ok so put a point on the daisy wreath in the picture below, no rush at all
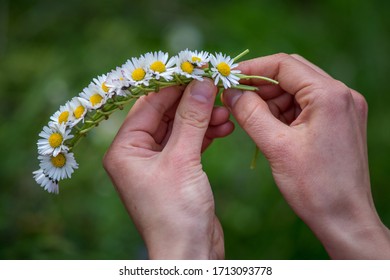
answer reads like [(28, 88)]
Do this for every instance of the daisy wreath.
[(112, 91)]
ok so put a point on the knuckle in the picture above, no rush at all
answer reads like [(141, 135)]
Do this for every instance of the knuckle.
[(250, 118), (194, 118), (361, 104), (297, 56), (282, 56), (111, 161), (108, 160), (340, 99), (337, 95)]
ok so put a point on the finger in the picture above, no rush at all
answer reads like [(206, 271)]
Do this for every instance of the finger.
[(359, 100), (254, 116), (214, 132), (294, 76), (220, 131), (219, 116), (220, 126), (284, 108), (313, 66), (146, 115), (163, 131), (192, 118)]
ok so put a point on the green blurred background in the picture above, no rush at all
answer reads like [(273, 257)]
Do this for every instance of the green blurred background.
[(50, 50)]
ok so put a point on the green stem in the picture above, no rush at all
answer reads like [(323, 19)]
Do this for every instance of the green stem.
[(124, 102), (247, 77), (241, 55), (245, 87), (177, 78), (106, 113), (254, 158)]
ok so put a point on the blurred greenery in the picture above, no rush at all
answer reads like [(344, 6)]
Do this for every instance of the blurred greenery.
[(49, 50)]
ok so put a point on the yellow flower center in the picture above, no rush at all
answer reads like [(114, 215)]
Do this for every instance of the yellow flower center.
[(58, 161), (104, 87), (187, 67), (63, 117), (55, 140), (158, 66), (138, 74), (95, 99), (224, 69), (78, 112), (196, 59)]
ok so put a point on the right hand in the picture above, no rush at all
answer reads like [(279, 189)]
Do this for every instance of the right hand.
[(312, 129)]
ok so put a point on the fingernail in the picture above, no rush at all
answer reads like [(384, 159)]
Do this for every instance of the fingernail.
[(202, 91), (231, 96)]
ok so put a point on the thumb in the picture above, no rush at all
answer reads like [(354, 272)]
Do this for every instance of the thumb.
[(192, 117), (254, 116)]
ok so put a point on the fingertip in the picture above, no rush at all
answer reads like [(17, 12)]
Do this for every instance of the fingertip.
[(219, 115), (202, 91), (214, 132), (230, 97), (220, 131)]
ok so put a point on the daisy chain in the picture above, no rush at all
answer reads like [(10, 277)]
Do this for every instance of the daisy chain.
[(110, 92)]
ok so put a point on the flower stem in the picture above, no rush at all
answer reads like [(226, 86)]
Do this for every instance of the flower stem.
[(254, 158), (245, 87), (248, 77), (241, 55)]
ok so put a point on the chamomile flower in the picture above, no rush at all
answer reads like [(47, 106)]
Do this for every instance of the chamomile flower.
[(78, 108), (53, 138), (101, 83), (222, 69), (96, 98), (159, 65), (63, 115), (200, 59), (136, 71), (46, 182), (117, 82), (58, 167), (186, 67)]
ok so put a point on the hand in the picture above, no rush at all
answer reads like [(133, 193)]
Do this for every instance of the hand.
[(155, 164), (312, 129)]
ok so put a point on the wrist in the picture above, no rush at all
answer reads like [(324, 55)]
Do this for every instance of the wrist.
[(358, 236), (186, 239), (178, 244)]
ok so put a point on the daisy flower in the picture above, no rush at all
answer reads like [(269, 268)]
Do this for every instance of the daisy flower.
[(221, 69), (200, 59), (45, 182), (136, 71), (78, 108), (53, 138), (159, 65), (58, 167), (63, 115), (117, 82), (186, 67), (101, 83), (96, 98)]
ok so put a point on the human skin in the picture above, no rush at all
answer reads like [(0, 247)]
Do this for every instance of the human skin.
[(310, 127), (155, 165), (312, 130)]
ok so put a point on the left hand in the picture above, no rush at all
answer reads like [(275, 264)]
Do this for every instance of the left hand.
[(155, 164)]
